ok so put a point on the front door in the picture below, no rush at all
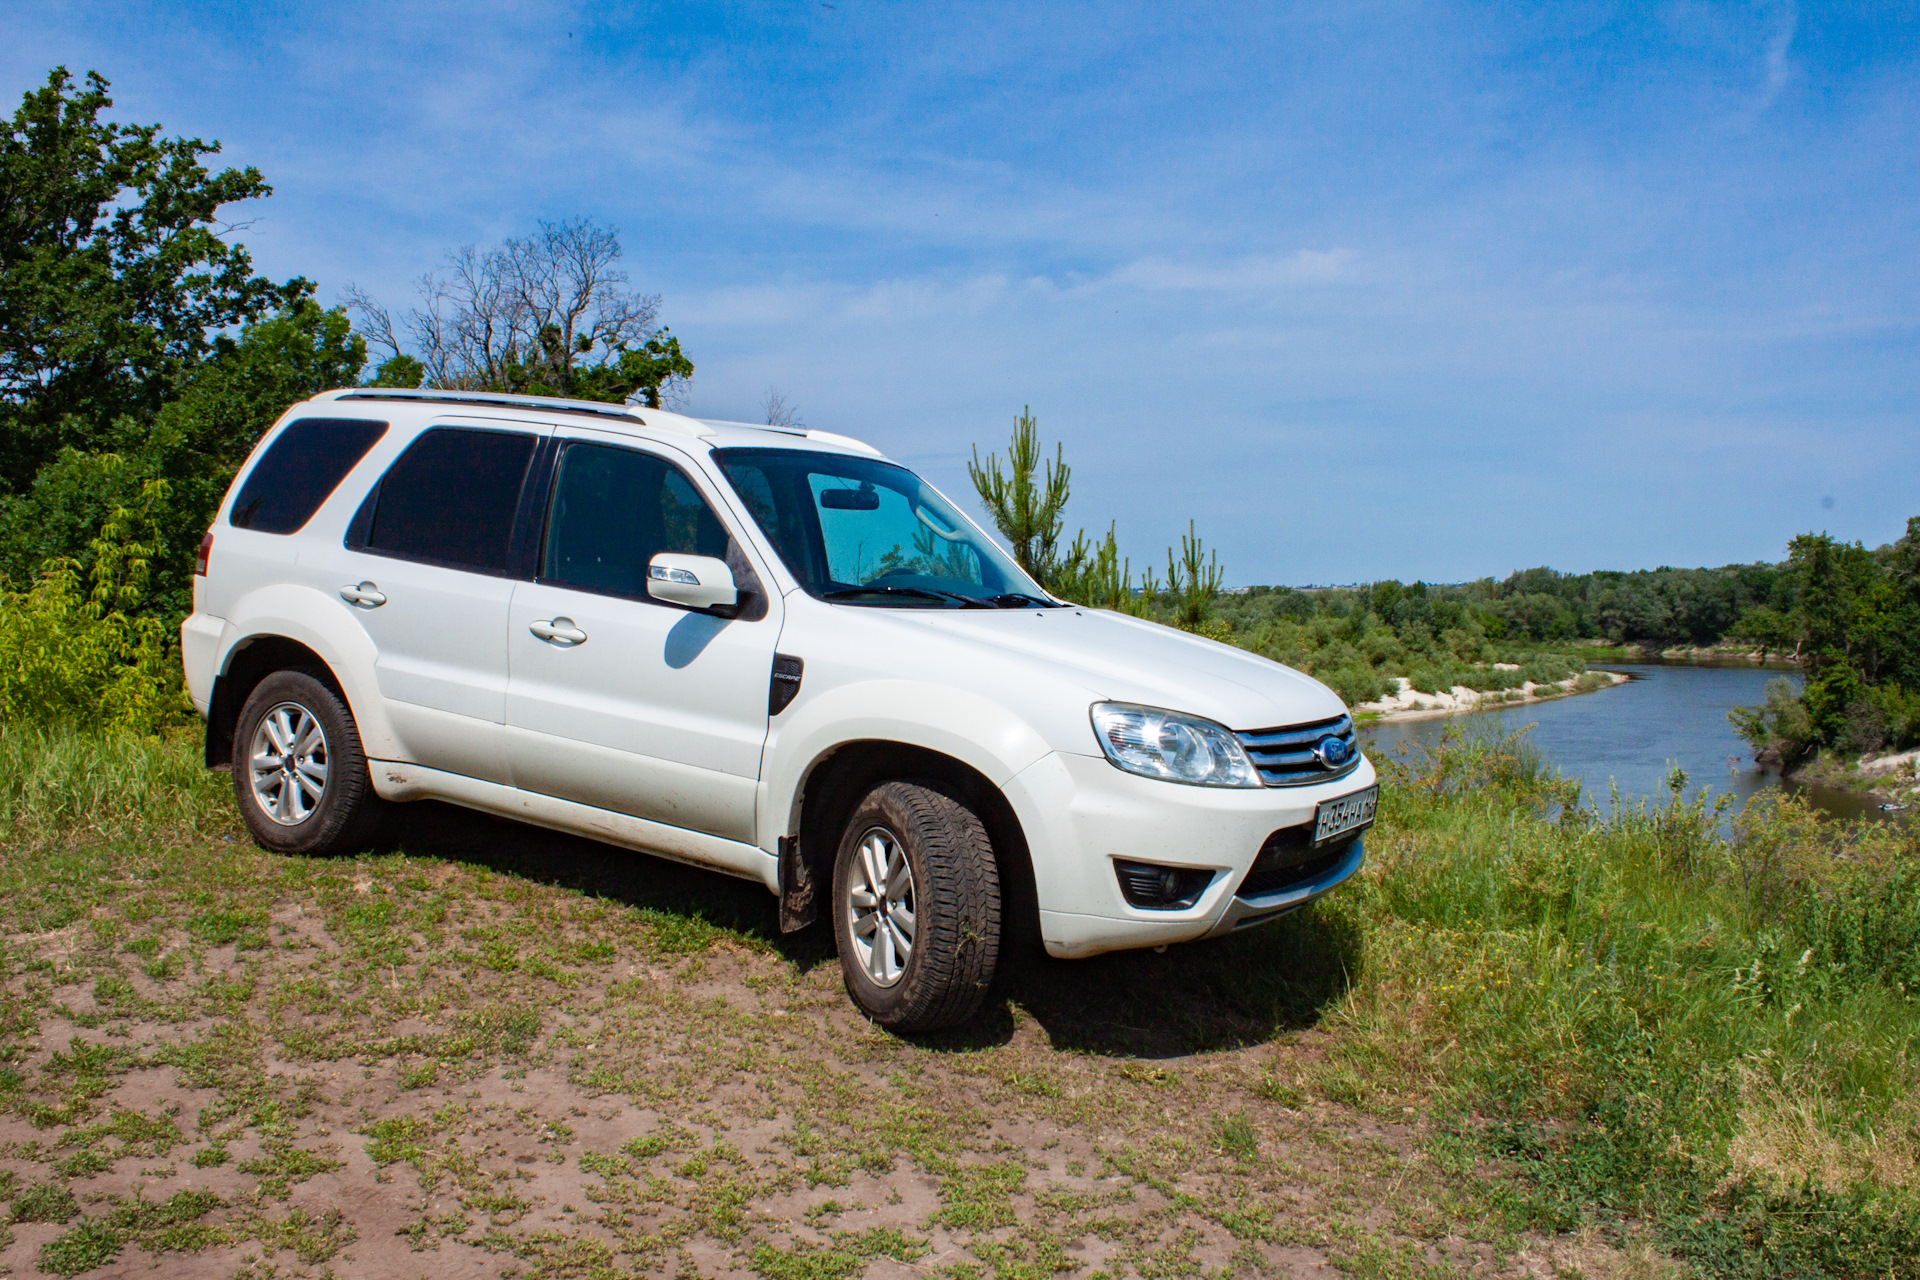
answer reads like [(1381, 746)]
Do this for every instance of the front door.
[(620, 701)]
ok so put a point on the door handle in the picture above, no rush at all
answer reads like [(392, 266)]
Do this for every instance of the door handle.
[(365, 594), (560, 631)]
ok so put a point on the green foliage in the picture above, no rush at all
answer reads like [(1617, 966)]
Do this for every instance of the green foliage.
[(1852, 618), (1026, 500), (626, 374), (1649, 1018), (193, 445), (1025, 507), (56, 783), (91, 1244), (68, 658), (1360, 641), (1193, 580), (114, 275), (400, 371), (45, 1202), (1098, 575), (805, 1262), (1781, 722)]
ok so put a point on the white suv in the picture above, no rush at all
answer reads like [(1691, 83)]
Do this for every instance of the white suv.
[(766, 651)]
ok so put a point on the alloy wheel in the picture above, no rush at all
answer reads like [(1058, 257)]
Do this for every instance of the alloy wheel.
[(288, 763), (880, 907)]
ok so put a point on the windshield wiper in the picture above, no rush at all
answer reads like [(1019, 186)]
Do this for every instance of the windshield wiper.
[(1015, 600), (924, 593)]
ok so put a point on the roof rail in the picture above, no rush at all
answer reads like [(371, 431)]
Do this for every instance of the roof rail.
[(502, 400)]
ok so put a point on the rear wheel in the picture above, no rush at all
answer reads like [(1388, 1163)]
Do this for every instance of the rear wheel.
[(916, 907), (299, 771)]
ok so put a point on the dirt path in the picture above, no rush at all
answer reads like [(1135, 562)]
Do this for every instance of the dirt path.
[(528, 1055)]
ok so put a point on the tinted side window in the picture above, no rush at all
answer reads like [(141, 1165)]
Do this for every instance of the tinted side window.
[(613, 511), (303, 465), (448, 500)]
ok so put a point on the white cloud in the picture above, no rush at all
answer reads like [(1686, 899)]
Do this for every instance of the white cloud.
[(1256, 274)]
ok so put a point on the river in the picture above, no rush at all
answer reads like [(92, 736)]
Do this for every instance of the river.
[(1631, 735)]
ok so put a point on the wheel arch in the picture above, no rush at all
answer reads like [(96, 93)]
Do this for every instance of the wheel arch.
[(836, 780), (288, 626), (251, 660)]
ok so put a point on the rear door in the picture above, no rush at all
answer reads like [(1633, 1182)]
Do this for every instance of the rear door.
[(427, 568), (655, 710)]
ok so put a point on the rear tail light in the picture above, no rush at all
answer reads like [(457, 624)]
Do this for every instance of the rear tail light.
[(201, 557)]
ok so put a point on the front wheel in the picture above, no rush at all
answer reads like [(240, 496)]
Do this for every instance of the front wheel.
[(299, 772), (916, 900)]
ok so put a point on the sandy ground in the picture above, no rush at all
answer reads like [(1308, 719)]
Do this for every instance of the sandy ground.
[(1409, 704)]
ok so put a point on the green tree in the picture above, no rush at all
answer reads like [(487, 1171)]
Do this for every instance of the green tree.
[(1025, 505), (196, 442), (1026, 498), (1194, 580), (1852, 619), (114, 271)]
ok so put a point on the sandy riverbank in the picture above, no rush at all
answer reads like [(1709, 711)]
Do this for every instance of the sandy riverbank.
[(1410, 704), (1893, 778)]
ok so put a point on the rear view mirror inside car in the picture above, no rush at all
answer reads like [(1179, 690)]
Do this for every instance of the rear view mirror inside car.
[(864, 498)]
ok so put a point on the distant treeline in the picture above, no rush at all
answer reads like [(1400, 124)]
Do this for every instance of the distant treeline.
[(1653, 607), (1485, 634)]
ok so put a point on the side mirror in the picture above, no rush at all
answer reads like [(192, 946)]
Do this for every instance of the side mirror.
[(698, 582)]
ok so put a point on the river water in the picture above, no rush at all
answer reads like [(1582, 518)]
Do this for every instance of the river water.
[(1631, 735)]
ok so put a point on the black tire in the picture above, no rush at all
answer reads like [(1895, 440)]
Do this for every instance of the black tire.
[(345, 817), (954, 903)]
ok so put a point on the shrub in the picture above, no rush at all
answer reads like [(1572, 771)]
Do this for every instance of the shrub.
[(1781, 723), (69, 657)]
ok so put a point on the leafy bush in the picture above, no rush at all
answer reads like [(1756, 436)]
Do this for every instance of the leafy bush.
[(1781, 722), (69, 657)]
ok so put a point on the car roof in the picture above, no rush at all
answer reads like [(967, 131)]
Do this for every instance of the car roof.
[(634, 420)]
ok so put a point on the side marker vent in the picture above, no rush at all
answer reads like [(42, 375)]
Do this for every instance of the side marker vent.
[(786, 683)]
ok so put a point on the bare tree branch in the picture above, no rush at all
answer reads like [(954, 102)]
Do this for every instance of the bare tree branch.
[(533, 314), (780, 412), (374, 321)]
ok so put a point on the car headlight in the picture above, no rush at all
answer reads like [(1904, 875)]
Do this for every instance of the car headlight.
[(1170, 746)]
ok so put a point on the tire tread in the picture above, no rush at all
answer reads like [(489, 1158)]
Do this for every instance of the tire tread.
[(958, 941)]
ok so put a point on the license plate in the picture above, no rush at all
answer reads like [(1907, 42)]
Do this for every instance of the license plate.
[(1337, 818)]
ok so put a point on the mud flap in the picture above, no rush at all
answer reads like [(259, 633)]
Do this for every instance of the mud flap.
[(797, 907)]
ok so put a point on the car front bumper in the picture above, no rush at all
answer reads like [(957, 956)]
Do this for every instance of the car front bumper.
[(1080, 814)]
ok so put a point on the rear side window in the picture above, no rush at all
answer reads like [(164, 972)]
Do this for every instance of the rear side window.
[(448, 500), (303, 465)]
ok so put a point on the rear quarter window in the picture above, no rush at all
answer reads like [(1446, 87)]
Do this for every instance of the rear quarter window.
[(304, 464)]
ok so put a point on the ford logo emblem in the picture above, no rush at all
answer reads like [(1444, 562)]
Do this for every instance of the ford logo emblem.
[(1332, 752)]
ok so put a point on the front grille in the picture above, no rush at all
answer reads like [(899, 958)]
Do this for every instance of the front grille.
[(1288, 859), (1288, 757)]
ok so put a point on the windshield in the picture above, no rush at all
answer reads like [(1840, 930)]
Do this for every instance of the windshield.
[(861, 531)]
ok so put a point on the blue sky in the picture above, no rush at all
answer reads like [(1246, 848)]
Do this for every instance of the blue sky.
[(1365, 290)]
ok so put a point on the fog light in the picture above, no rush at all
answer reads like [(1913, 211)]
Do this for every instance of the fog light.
[(1158, 888)]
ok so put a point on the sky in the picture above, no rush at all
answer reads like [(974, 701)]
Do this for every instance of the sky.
[(1414, 291)]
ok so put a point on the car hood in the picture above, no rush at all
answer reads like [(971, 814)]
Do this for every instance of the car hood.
[(1117, 658)]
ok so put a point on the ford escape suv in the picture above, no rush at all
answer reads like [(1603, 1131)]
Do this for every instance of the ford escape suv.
[(769, 652)]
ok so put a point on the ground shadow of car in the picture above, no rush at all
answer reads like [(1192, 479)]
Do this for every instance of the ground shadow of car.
[(1231, 992)]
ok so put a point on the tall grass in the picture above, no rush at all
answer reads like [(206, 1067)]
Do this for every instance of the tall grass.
[(62, 783), (1714, 1035)]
